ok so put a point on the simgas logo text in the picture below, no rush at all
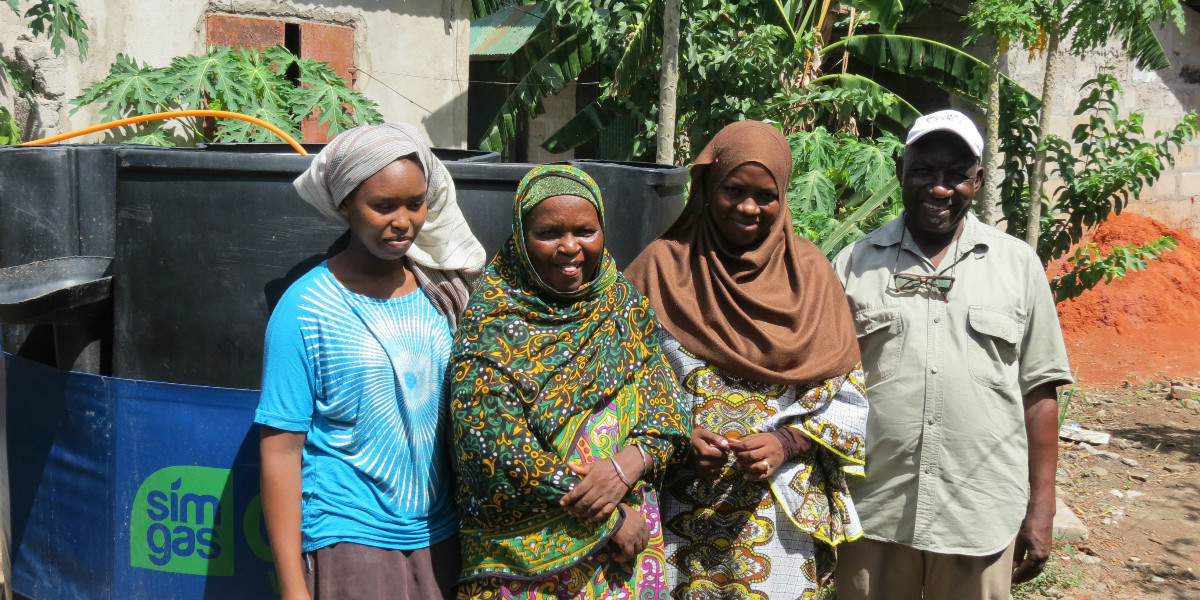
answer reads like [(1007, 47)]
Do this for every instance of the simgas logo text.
[(182, 522)]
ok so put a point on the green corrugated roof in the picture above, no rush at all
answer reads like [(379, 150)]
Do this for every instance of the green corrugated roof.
[(505, 31)]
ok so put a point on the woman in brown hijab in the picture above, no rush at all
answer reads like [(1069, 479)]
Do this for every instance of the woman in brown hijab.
[(763, 345)]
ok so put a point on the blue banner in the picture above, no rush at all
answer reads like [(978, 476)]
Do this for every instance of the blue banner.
[(133, 489)]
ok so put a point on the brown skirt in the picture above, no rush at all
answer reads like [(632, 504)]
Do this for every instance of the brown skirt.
[(349, 571)]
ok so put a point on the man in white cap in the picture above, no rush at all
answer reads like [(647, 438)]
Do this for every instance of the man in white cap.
[(963, 354)]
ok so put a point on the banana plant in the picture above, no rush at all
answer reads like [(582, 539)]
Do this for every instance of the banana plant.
[(627, 58)]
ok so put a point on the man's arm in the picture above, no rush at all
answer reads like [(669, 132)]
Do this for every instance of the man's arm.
[(1037, 530)]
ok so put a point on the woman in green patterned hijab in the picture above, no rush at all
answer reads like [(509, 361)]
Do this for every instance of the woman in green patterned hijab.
[(565, 412)]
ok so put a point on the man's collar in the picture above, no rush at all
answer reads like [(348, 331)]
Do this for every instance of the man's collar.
[(892, 232)]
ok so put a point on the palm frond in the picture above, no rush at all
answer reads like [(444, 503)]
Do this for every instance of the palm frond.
[(878, 199), (548, 76)]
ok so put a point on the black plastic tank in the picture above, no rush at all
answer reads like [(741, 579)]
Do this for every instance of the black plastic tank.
[(156, 271), (207, 242)]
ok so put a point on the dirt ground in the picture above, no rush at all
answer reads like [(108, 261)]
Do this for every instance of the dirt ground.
[(1138, 496)]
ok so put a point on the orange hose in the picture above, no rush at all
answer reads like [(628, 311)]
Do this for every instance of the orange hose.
[(223, 114)]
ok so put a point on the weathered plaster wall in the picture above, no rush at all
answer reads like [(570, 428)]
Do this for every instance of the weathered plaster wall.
[(1163, 96), (411, 56)]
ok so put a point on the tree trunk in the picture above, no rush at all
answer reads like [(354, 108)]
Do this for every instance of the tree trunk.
[(1037, 178), (990, 208), (668, 83)]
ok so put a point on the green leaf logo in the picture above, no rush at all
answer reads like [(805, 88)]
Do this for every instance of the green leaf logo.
[(182, 522)]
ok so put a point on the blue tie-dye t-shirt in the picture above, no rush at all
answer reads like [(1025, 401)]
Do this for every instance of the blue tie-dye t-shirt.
[(366, 380)]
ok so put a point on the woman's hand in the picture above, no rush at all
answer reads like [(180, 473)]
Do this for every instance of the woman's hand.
[(632, 537), (597, 496), (758, 455), (707, 459)]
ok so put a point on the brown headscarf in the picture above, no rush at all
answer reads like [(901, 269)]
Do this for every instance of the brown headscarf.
[(773, 312)]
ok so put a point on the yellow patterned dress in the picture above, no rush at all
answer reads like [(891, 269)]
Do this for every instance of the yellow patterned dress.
[(733, 538)]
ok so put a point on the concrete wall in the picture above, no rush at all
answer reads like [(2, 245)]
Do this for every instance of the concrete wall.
[(1163, 96), (559, 109), (411, 56)]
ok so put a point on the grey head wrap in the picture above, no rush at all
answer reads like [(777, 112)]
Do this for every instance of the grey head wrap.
[(445, 243)]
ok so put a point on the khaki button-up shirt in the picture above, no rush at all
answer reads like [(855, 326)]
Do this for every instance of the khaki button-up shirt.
[(947, 459)]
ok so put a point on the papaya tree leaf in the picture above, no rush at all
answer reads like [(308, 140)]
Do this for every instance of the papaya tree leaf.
[(868, 167), (58, 19), (324, 91), (154, 135), (20, 81), (812, 191), (129, 87), (195, 78)]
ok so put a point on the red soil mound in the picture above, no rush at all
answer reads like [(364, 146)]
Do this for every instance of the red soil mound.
[(1144, 326)]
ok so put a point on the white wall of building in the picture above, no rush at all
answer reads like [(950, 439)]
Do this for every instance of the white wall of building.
[(411, 55)]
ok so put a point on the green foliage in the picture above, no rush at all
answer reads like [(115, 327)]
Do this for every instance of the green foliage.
[(885, 12), (840, 184), (1018, 149), (20, 81), (594, 117), (10, 131), (129, 88), (1004, 20), (950, 68), (548, 75), (1057, 574), (1089, 268), (799, 16), (57, 19), (1096, 23), (737, 60), (1064, 400), (821, 104), (644, 46), (730, 60), (483, 8), (248, 81), (881, 207), (1109, 163)]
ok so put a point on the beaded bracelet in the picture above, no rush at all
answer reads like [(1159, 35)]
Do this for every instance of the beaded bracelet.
[(620, 473)]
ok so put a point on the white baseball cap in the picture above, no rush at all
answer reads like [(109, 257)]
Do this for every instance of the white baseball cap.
[(948, 120)]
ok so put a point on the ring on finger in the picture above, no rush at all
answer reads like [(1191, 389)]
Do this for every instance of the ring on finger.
[(766, 464)]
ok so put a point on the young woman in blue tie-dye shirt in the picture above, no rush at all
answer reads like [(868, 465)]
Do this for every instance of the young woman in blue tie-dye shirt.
[(355, 484)]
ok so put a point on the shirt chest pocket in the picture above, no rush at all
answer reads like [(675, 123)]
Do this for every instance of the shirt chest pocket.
[(994, 349), (880, 337)]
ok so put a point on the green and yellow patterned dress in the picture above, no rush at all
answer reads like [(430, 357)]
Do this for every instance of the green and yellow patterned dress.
[(734, 539), (541, 378)]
